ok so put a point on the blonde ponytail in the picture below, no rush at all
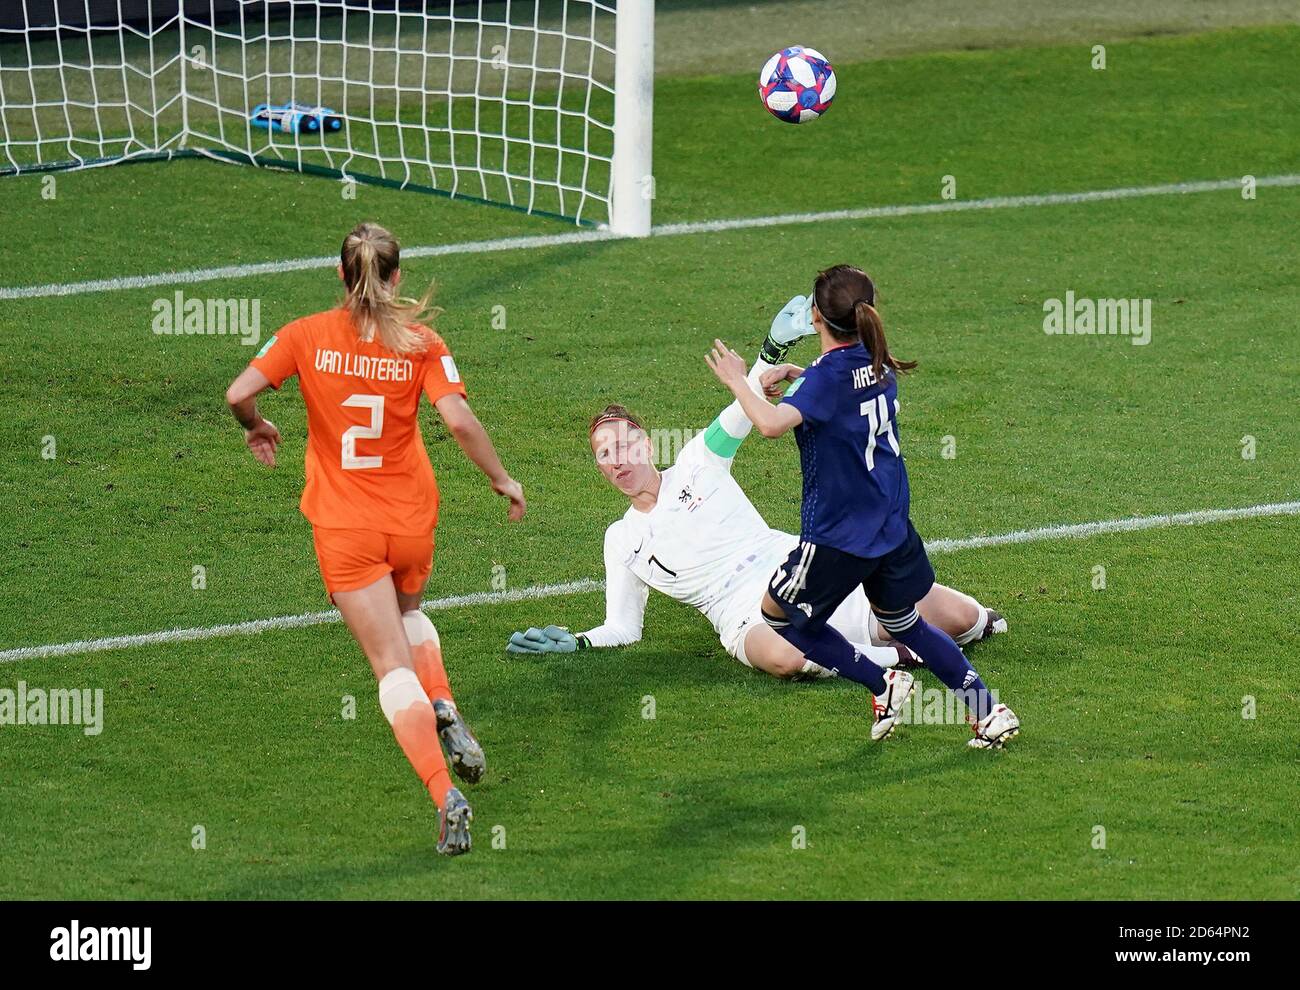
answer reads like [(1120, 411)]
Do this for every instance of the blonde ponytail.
[(369, 257)]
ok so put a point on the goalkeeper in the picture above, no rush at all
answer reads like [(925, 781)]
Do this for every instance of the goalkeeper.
[(692, 533)]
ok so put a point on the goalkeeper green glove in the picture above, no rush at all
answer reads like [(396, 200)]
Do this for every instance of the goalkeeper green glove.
[(794, 321), (552, 639)]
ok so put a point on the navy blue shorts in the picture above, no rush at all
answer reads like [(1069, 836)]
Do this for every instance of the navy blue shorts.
[(815, 579)]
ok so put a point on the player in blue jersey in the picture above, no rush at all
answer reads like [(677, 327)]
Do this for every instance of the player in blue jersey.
[(855, 526)]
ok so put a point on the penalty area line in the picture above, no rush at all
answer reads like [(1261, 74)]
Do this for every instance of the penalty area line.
[(663, 230), (1073, 531)]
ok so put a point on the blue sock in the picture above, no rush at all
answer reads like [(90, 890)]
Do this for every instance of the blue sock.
[(942, 657), (827, 647)]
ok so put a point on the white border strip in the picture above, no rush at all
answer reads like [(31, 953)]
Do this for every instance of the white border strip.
[(664, 230), (1074, 531)]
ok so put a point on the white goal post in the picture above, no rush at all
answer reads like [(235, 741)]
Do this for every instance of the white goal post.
[(541, 105)]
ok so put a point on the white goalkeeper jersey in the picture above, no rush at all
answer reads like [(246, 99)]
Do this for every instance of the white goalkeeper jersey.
[(703, 543)]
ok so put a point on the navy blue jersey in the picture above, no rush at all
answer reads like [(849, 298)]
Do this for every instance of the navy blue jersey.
[(855, 495)]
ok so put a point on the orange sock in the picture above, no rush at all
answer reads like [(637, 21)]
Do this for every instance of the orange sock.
[(416, 728), (426, 653)]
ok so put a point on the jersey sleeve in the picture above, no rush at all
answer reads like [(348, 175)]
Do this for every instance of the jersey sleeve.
[(441, 376), (277, 359), (625, 596), (717, 445), (811, 394)]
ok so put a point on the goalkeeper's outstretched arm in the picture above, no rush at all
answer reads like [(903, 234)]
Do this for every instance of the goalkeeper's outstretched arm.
[(725, 434), (625, 599)]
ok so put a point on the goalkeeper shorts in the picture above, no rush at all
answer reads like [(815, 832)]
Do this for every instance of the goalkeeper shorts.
[(352, 559)]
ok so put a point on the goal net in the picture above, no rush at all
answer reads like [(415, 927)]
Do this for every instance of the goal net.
[(543, 106)]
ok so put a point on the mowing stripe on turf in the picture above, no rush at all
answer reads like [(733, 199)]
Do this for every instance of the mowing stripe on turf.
[(663, 230), (1069, 531)]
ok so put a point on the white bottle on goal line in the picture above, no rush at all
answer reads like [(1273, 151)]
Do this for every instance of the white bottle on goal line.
[(544, 107)]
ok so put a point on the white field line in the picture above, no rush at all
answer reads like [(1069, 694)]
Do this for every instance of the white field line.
[(1078, 531), (663, 230), (1071, 531), (286, 622)]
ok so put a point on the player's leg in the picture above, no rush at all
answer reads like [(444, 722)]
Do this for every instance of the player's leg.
[(763, 649), (412, 561), (372, 616), (802, 595), (360, 584), (800, 598), (958, 614), (901, 579), (855, 621)]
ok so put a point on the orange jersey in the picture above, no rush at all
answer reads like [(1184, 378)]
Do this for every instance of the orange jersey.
[(366, 463)]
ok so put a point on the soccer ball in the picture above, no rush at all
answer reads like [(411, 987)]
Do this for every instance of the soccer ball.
[(797, 85)]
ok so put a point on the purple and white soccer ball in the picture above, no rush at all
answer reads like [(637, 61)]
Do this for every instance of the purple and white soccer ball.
[(797, 85)]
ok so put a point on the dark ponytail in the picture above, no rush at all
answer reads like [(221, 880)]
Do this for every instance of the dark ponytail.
[(845, 296), (871, 331)]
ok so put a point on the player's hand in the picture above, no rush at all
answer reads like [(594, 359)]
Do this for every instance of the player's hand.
[(262, 440), (552, 639), (727, 365), (513, 490), (794, 321), (773, 380)]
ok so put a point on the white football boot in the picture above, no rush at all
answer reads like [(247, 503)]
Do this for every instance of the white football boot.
[(993, 731), (888, 705)]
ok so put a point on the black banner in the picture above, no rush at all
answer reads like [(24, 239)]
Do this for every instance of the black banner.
[(904, 942)]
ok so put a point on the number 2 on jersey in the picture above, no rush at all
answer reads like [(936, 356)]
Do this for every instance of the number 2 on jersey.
[(877, 412), (375, 403)]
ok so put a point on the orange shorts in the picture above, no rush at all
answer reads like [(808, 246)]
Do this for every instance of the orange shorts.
[(351, 559)]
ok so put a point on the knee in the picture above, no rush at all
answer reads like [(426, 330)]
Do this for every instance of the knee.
[(788, 666)]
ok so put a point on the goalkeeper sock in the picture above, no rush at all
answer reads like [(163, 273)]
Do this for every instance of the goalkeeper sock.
[(942, 656), (426, 655), (415, 727), (976, 631), (882, 656)]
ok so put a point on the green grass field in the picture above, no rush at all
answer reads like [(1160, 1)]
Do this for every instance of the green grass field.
[(1131, 696)]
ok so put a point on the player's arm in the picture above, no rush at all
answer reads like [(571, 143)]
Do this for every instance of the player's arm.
[(769, 420), (443, 386), (469, 434), (720, 442), (773, 380), (722, 439), (625, 600), (259, 433)]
